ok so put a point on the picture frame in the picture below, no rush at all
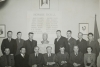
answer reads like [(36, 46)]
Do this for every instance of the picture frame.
[(2, 31), (84, 28), (44, 4)]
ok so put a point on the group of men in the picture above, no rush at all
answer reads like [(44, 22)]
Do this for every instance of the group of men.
[(69, 52)]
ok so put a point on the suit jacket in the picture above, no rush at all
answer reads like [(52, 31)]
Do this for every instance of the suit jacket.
[(77, 59), (36, 60), (21, 61), (82, 45), (62, 57), (92, 59), (30, 46), (4, 62), (19, 45), (12, 45), (61, 42), (71, 43), (95, 46)]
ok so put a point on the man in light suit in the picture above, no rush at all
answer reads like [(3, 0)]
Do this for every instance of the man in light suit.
[(22, 59), (60, 41), (19, 42), (94, 44), (36, 59), (82, 43), (9, 43), (71, 41), (7, 60), (30, 44)]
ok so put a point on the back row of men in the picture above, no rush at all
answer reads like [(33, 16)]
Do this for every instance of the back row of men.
[(15, 44)]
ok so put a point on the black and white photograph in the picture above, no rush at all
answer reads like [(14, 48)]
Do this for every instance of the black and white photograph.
[(49, 33), (44, 4), (2, 30)]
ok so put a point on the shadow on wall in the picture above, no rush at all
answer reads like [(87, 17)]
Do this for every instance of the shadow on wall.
[(3, 3)]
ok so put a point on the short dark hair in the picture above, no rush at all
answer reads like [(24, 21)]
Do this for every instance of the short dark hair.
[(18, 32), (90, 47), (58, 31), (80, 32), (61, 46), (69, 31), (9, 31), (90, 34), (22, 47), (30, 33)]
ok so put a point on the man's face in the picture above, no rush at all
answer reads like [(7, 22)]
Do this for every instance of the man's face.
[(36, 50), (80, 36), (58, 34), (90, 37), (49, 50), (7, 51), (45, 37), (62, 49), (9, 34), (19, 35), (30, 36), (68, 34), (23, 50), (76, 48)]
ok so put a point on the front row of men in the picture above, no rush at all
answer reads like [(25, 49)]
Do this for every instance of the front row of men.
[(61, 59)]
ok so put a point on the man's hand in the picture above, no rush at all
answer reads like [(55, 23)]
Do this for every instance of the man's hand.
[(34, 65), (50, 63)]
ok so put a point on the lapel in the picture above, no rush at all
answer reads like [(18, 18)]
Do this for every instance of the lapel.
[(59, 39), (70, 40)]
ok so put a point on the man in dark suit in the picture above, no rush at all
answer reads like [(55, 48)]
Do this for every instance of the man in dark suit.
[(30, 44), (50, 59), (22, 59), (36, 59), (9, 43), (76, 58), (19, 42), (63, 58), (71, 41), (82, 43), (60, 41), (94, 44), (7, 60)]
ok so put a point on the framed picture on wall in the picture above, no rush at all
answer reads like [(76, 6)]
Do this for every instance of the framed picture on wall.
[(2, 31), (84, 28), (44, 4)]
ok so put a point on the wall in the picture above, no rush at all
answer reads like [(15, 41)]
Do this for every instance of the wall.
[(14, 15)]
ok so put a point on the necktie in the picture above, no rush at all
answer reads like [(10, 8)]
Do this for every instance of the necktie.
[(36, 55)]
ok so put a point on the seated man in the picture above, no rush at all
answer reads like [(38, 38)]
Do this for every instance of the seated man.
[(63, 57), (21, 60), (76, 58), (36, 59), (49, 58), (7, 60)]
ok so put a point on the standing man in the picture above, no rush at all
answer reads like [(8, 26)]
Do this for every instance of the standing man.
[(36, 59), (22, 59), (19, 42), (30, 44), (9, 43), (60, 41), (82, 43), (71, 41), (76, 58), (94, 44)]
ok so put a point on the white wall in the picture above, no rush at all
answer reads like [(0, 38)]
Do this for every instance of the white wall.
[(14, 15)]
